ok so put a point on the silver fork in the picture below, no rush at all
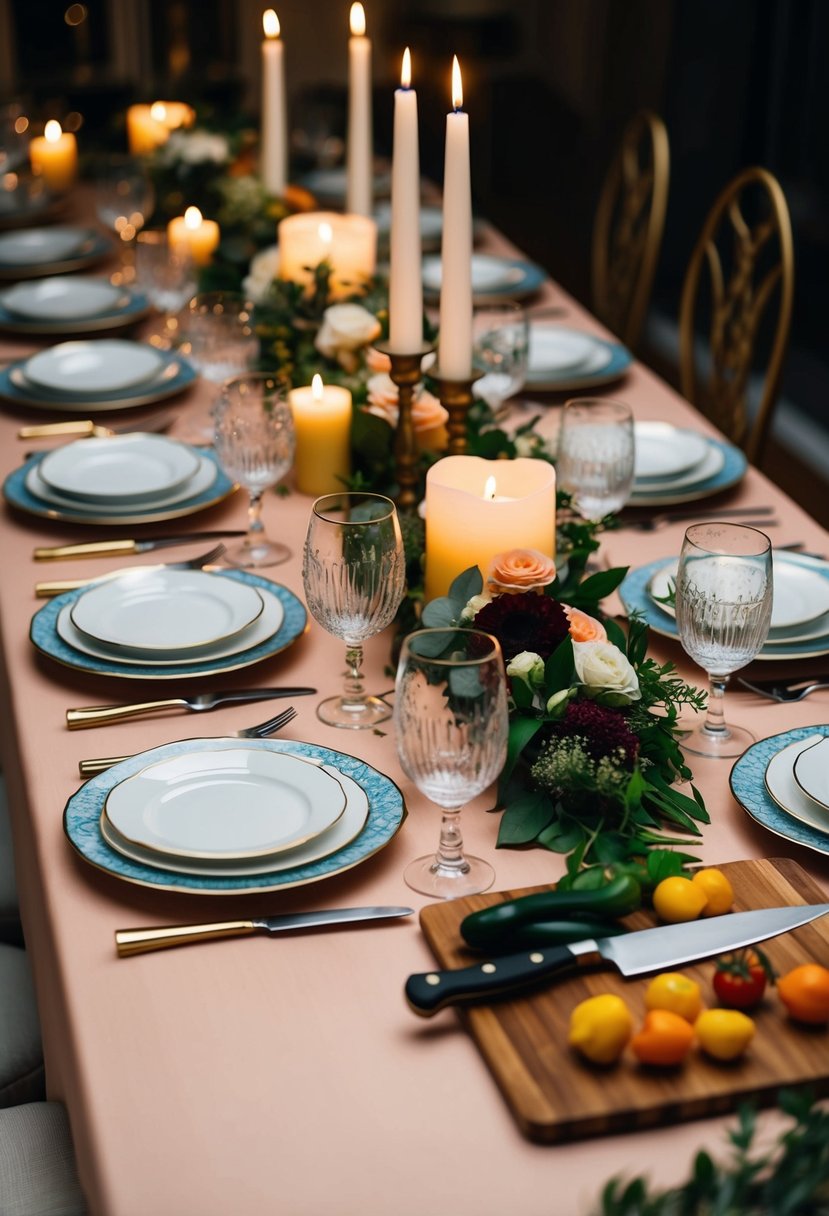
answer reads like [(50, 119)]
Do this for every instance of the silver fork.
[(88, 768), (45, 590), (664, 519), (783, 693)]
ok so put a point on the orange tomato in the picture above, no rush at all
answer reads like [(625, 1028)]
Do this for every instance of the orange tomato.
[(717, 890), (805, 993), (665, 1038), (677, 992), (677, 899)]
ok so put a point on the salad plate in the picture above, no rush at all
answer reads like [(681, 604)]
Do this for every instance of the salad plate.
[(561, 359), (723, 467), (665, 451), (121, 470), (31, 253), (108, 365), (748, 785), (811, 774), (62, 298), (492, 277), (175, 374)]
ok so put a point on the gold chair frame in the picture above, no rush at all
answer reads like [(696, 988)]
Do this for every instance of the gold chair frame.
[(738, 304), (630, 220)]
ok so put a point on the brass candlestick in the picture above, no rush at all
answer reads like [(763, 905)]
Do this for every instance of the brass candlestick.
[(456, 396), (406, 374)]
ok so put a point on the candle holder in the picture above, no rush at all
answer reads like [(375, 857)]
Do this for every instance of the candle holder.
[(406, 373), (456, 396)]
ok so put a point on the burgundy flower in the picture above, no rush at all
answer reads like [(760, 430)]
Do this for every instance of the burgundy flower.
[(524, 622), (601, 729)]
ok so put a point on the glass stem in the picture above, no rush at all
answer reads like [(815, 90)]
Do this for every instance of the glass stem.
[(255, 526), (450, 849), (715, 718), (354, 693)]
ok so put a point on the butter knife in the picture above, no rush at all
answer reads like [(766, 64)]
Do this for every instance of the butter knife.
[(140, 941), (110, 548)]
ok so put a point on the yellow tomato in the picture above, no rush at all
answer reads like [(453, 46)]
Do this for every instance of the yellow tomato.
[(600, 1028), (717, 890), (678, 899), (665, 1038), (805, 993), (675, 992), (724, 1033)]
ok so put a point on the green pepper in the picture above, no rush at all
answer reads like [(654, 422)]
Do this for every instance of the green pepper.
[(550, 933)]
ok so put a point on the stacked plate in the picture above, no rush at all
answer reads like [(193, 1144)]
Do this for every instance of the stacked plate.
[(783, 783), (561, 359), (675, 465), (33, 252), (493, 279), (800, 611), (91, 377), (61, 305), (218, 816), (128, 479), (162, 623)]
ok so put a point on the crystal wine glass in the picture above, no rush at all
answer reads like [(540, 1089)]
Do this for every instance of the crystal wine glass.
[(218, 338), (355, 574), (124, 201), (724, 591), (168, 276), (451, 723), (595, 455), (500, 350), (254, 439)]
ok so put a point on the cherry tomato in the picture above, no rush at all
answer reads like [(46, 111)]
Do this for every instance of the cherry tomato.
[(665, 1038), (805, 993), (677, 992), (740, 979)]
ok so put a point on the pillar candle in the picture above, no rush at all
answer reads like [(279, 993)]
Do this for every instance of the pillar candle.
[(194, 236), (405, 282), (348, 242), (469, 519), (274, 153), (455, 338), (322, 421), (149, 126), (360, 154), (54, 157)]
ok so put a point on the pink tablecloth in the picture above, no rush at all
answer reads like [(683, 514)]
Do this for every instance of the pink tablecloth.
[(288, 1076)]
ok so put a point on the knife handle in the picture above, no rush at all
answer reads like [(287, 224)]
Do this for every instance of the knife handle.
[(89, 768), (100, 715), (433, 990), (83, 429), (48, 590), (99, 548), (141, 941)]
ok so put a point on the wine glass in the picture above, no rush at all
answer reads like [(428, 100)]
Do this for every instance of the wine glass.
[(168, 276), (354, 571), (255, 441), (724, 591), (218, 338), (500, 350), (451, 723), (595, 455), (124, 201)]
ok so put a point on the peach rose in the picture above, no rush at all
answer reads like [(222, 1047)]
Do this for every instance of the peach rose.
[(584, 628), (428, 415), (520, 570)]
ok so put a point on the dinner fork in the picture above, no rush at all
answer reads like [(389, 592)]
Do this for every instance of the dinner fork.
[(784, 693), (44, 591), (664, 519), (88, 768)]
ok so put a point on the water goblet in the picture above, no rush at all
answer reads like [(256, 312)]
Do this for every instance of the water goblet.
[(255, 441), (451, 723), (168, 276), (218, 338), (354, 572), (500, 351), (124, 201), (595, 455), (724, 591)]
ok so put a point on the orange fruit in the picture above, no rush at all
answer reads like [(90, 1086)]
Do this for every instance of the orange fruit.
[(665, 1038), (805, 993), (717, 889), (678, 899), (724, 1033)]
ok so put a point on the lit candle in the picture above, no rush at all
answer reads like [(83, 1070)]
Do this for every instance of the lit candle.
[(54, 156), (149, 126), (405, 281), (476, 508), (360, 156), (274, 109), (322, 421), (348, 242), (192, 235), (455, 338)]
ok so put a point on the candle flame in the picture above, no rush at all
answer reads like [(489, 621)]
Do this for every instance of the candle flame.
[(489, 489), (457, 84), (158, 111), (52, 131), (316, 387), (192, 218), (406, 71), (270, 23), (326, 233), (357, 20)]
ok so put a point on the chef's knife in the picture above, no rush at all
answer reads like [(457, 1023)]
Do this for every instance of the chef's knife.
[(633, 953), (112, 548), (139, 941)]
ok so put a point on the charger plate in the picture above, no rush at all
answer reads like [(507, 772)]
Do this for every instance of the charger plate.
[(748, 786), (95, 247), (134, 306), (81, 823), (731, 469), (176, 375)]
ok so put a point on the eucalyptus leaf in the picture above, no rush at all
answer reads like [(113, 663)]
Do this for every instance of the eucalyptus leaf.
[(440, 613), (470, 582), (465, 682)]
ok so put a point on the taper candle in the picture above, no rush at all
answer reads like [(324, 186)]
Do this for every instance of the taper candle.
[(405, 280), (359, 151), (455, 338), (274, 151)]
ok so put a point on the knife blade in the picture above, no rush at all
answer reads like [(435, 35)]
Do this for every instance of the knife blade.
[(634, 954), (99, 715), (109, 548), (140, 941)]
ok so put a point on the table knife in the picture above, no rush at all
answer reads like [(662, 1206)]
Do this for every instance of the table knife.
[(665, 948), (139, 941), (110, 548), (100, 715)]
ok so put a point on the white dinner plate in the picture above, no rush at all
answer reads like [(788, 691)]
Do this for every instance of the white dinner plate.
[(431, 223), (780, 782), (229, 804), (711, 464), (262, 630), (811, 773), (341, 833), (166, 612), (554, 349), (61, 298), (102, 366), (126, 469), (36, 245), (489, 273), (201, 480), (665, 451)]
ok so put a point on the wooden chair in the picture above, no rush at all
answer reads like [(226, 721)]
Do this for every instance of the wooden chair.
[(627, 232), (749, 263)]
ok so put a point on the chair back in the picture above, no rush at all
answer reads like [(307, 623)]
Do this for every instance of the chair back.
[(627, 232), (745, 265)]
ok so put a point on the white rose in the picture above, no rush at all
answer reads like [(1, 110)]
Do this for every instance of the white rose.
[(605, 672), (345, 329), (264, 268), (474, 606), (527, 666)]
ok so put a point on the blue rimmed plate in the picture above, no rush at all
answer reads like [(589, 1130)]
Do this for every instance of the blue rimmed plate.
[(174, 375), (748, 786), (730, 464), (599, 362), (493, 278), (82, 817), (45, 637), (133, 306), (91, 248), (635, 597)]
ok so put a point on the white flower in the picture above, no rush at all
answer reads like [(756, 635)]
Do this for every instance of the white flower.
[(559, 698), (474, 606), (527, 666), (346, 329), (195, 148), (605, 672), (264, 268), (530, 445)]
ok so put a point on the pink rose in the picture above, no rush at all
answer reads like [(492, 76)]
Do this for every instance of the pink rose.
[(520, 570)]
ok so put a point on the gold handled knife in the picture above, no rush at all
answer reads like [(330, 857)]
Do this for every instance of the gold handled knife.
[(110, 548)]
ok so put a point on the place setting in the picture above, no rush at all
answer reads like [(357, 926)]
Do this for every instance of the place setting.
[(563, 359), (31, 253), (493, 278), (677, 464), (783, 784), (70, 305)]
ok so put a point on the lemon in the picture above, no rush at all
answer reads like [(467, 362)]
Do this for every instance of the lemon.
[(724, 1033), (675, 992), (717, 889), (678, 899), (600, 1028)]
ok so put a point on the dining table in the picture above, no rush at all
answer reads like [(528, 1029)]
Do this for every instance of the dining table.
[(289, 1075)]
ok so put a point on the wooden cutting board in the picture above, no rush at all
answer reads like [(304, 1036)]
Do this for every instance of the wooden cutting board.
[(554, 1095)]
